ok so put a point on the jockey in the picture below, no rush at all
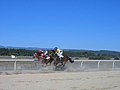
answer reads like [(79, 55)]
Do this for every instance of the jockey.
[(42, 55), (59, 52)]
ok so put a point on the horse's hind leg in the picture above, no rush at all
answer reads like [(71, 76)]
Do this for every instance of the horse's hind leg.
[(71, 60)]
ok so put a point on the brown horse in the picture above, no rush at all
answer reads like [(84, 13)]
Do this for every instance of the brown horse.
[(61, 62)]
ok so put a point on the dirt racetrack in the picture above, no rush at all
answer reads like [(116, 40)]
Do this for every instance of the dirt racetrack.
[(99, 80)]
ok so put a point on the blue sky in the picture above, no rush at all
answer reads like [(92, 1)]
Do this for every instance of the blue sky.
[(68, 24)]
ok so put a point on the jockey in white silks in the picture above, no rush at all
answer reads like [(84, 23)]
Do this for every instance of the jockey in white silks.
[(59, 52)]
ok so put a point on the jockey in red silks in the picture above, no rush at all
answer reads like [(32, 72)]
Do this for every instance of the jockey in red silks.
[(41, 55)]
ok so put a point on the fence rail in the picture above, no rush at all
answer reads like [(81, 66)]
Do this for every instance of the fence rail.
[(29, 64), (98, 62)]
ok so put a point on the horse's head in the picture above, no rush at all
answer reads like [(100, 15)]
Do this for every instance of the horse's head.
[(34, 55)]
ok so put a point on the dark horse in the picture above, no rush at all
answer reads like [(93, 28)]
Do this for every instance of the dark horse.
[(61, 62), (58, 62), (51, 54)]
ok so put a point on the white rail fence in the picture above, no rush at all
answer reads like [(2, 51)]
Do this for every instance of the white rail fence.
[(16, 64), (29, 64), (112, 63)]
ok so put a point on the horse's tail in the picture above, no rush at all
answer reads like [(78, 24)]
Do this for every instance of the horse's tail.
[(72, 61)]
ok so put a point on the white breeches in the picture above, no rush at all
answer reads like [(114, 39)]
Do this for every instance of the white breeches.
[(60, 55)]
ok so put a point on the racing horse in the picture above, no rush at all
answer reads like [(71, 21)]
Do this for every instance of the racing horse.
[(50, 53), (61, 62)]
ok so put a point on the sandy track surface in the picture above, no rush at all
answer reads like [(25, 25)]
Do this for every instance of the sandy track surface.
[(100, 80)]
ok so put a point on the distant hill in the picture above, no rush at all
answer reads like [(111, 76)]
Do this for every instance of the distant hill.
[(1, 46), (107, 52), (27, 48), (91, 54), (74, 50)]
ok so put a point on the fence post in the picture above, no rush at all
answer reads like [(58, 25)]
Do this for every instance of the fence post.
[(15, 63), (98, 65), (81, 64), (113, 64)]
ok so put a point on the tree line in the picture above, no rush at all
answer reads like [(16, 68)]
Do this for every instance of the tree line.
[(16, 52), (97, 55)]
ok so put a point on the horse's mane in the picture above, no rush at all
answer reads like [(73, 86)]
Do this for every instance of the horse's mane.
[(51, 52)]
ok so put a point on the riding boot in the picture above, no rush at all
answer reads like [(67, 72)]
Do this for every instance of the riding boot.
[(61, 61)]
